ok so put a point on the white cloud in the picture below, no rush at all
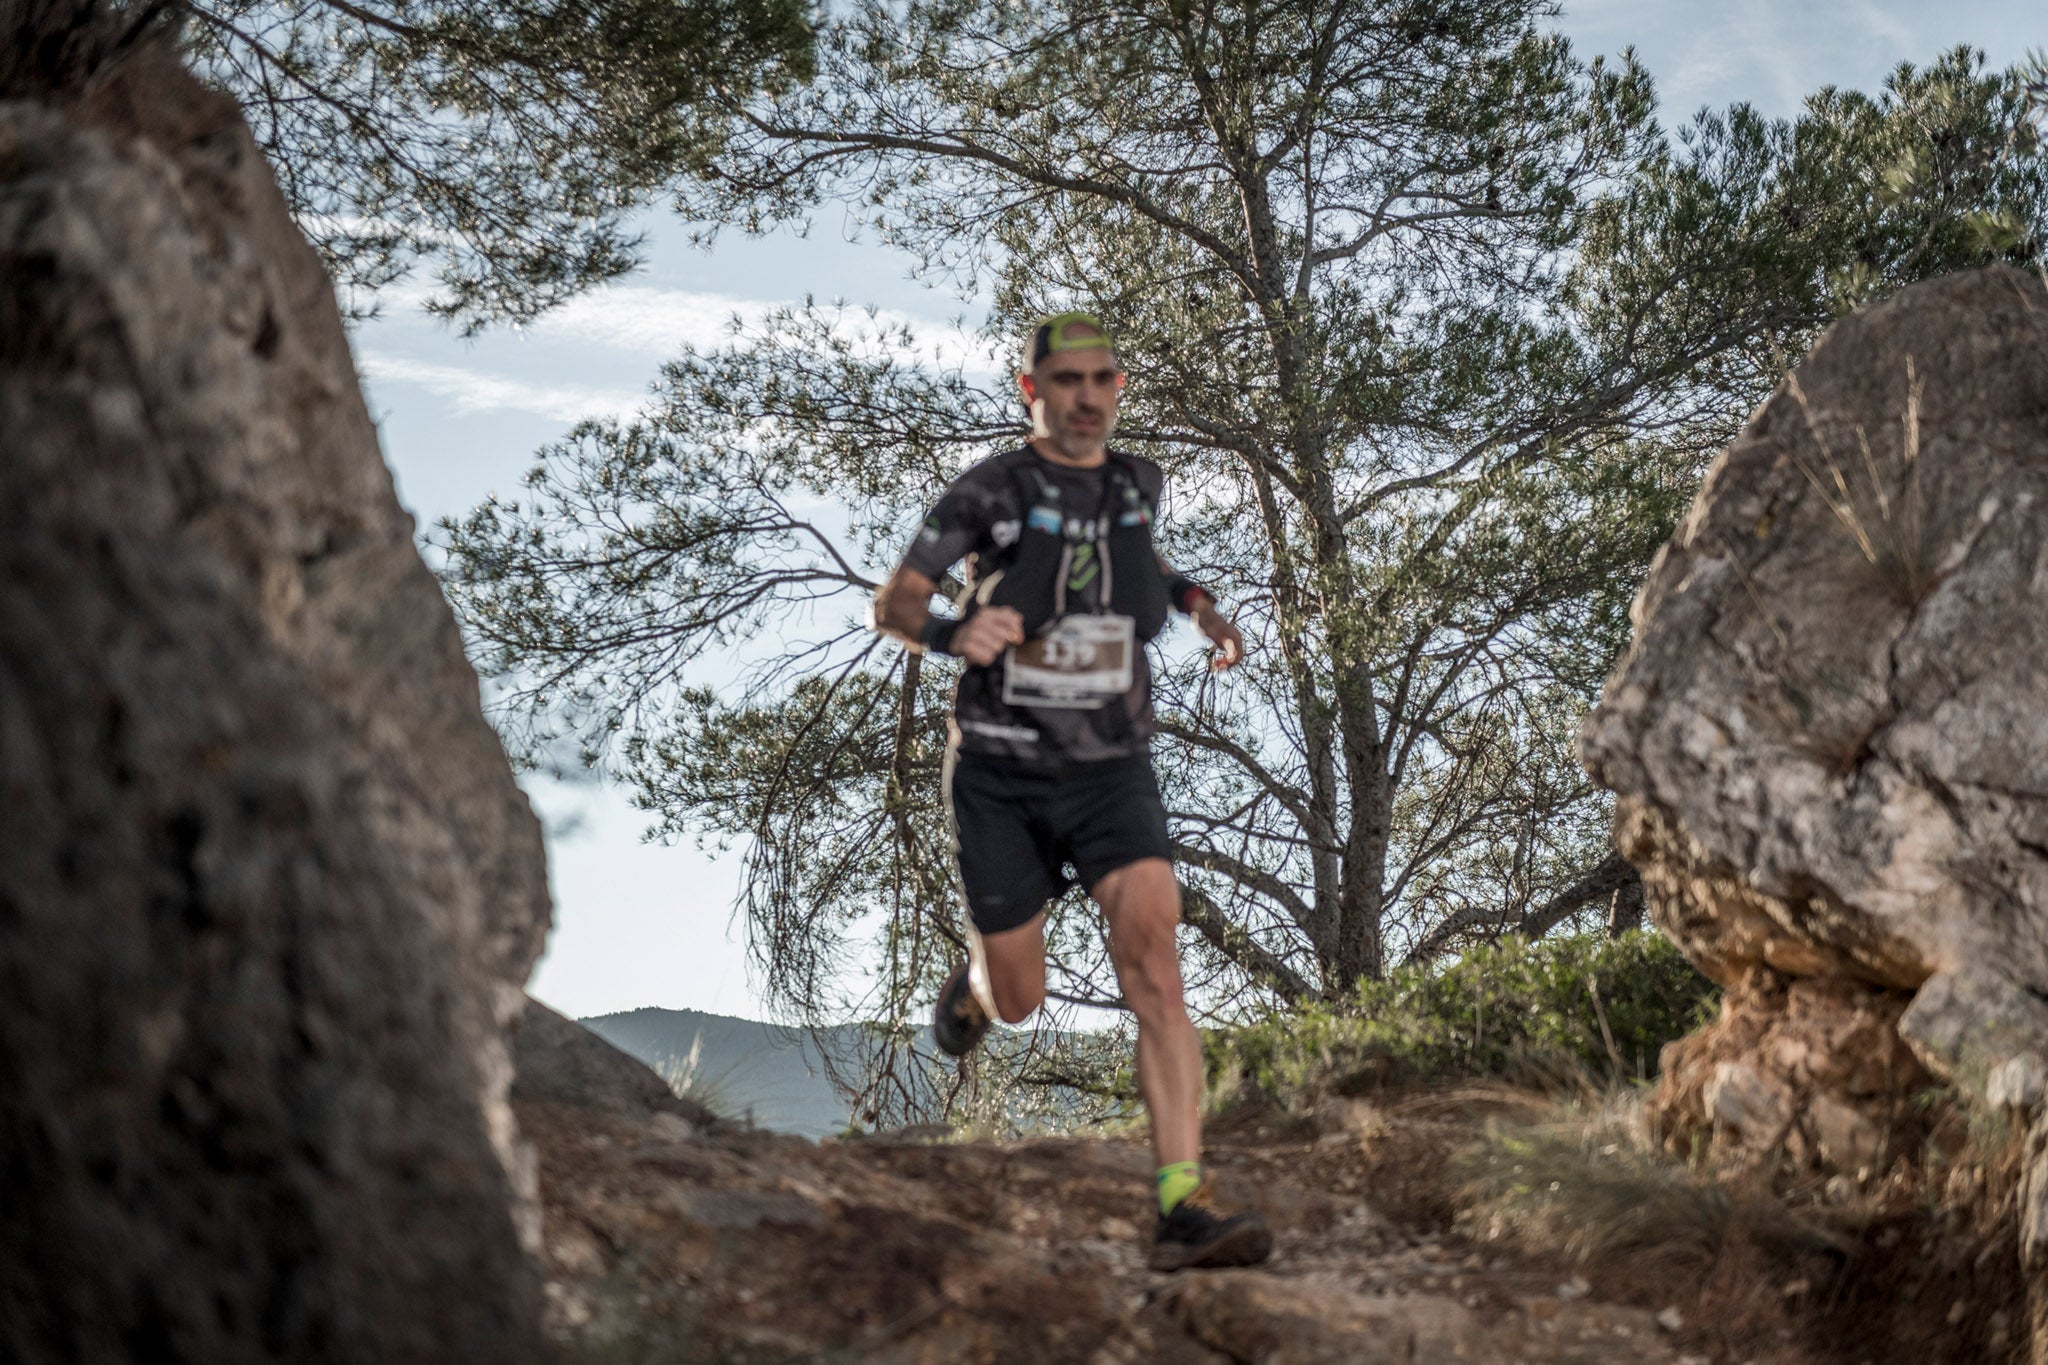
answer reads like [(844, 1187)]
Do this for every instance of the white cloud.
[(468, 391), (657, 323), (647, 320), (521, 369), (1888, 34), (1751, 56)]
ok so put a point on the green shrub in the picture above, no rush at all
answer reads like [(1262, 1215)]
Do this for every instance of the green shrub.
[(1560, 1009)]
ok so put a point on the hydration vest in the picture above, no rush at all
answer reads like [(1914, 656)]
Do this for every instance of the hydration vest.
[(1031, 576)]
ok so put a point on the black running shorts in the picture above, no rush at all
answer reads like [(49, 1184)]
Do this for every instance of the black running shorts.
[(1019, 828)]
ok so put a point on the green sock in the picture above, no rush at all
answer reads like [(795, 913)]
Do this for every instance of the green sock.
[(1177, 1182)]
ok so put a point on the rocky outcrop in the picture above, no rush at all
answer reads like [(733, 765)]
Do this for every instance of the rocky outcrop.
[(267, 889), (558, 1061), (1806, 1068), (1828, 737)]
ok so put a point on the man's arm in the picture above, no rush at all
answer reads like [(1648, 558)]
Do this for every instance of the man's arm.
[(903, 609), (1200, 605), (903, 604)]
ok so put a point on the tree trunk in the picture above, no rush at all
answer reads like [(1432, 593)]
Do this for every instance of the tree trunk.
[(1625, 910)]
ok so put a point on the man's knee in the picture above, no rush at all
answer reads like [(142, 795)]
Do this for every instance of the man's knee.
[(1015, 1000), (1144, 907), (1015, 960)]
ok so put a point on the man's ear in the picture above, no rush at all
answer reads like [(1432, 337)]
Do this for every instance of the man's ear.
[(1030, 389)]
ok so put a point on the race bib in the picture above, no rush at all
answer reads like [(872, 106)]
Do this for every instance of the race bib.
[(1082, 662)]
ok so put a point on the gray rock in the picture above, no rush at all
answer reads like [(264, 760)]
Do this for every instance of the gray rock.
[(1743, 1102), (745, 1210), (558, 1061), (1827, 742), (1846, 1138), (1826, 737), (1970, 1023), (2018, 1084), (1840, 664), (267, 889)]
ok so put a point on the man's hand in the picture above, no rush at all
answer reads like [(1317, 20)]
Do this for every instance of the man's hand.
[(982, 637), (903, 606), (1223, 635)]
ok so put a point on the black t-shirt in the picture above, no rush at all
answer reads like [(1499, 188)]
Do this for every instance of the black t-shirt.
[(979, 517)]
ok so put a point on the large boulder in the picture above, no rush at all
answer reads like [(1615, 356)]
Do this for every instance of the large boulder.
[(556, 1060), (267, 889), (1830, 736)]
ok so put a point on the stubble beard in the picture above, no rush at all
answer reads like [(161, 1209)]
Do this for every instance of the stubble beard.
[(1082, 449)]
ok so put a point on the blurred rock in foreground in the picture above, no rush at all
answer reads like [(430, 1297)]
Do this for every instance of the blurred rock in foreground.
[(1830, 740), (267, 889)]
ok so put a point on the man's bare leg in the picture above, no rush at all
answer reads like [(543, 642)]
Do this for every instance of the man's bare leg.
[(1013, 963), (1141, 903)]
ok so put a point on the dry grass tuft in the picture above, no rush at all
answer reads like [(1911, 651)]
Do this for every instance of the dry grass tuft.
[(1889, 527), (1920, 1265), (1585, 1186), (688, 1080)]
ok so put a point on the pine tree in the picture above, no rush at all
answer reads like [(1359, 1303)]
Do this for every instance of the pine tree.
[(506, 145), (1433, 330)]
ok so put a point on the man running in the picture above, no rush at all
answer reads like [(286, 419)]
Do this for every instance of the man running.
[(1048, 760)]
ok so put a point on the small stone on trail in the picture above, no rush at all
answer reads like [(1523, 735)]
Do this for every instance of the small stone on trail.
[(672, 1127), (1671, 1319), (1575, 1288)]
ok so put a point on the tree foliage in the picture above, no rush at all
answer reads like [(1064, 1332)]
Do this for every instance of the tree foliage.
[(507, 144), (1433, 330)]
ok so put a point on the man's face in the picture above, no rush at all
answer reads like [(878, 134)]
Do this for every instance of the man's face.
[(1073, 396)]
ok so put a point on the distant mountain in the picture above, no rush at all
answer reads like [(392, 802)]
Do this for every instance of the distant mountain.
[(745, 1069), (774, 1076)]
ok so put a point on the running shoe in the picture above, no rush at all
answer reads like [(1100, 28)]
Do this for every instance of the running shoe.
[(1196, 1236), (958, 1021)]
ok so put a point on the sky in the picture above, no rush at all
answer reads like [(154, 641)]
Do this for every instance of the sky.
[(639, 923)]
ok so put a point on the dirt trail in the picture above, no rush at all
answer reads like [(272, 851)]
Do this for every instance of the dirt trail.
[(674, 1240)]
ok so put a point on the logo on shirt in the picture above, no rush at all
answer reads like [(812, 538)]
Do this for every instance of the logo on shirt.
[(1082, 570), (1005, 533)]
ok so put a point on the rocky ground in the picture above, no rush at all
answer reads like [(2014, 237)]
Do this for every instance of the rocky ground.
[(674, 1236), (672, 1240)]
